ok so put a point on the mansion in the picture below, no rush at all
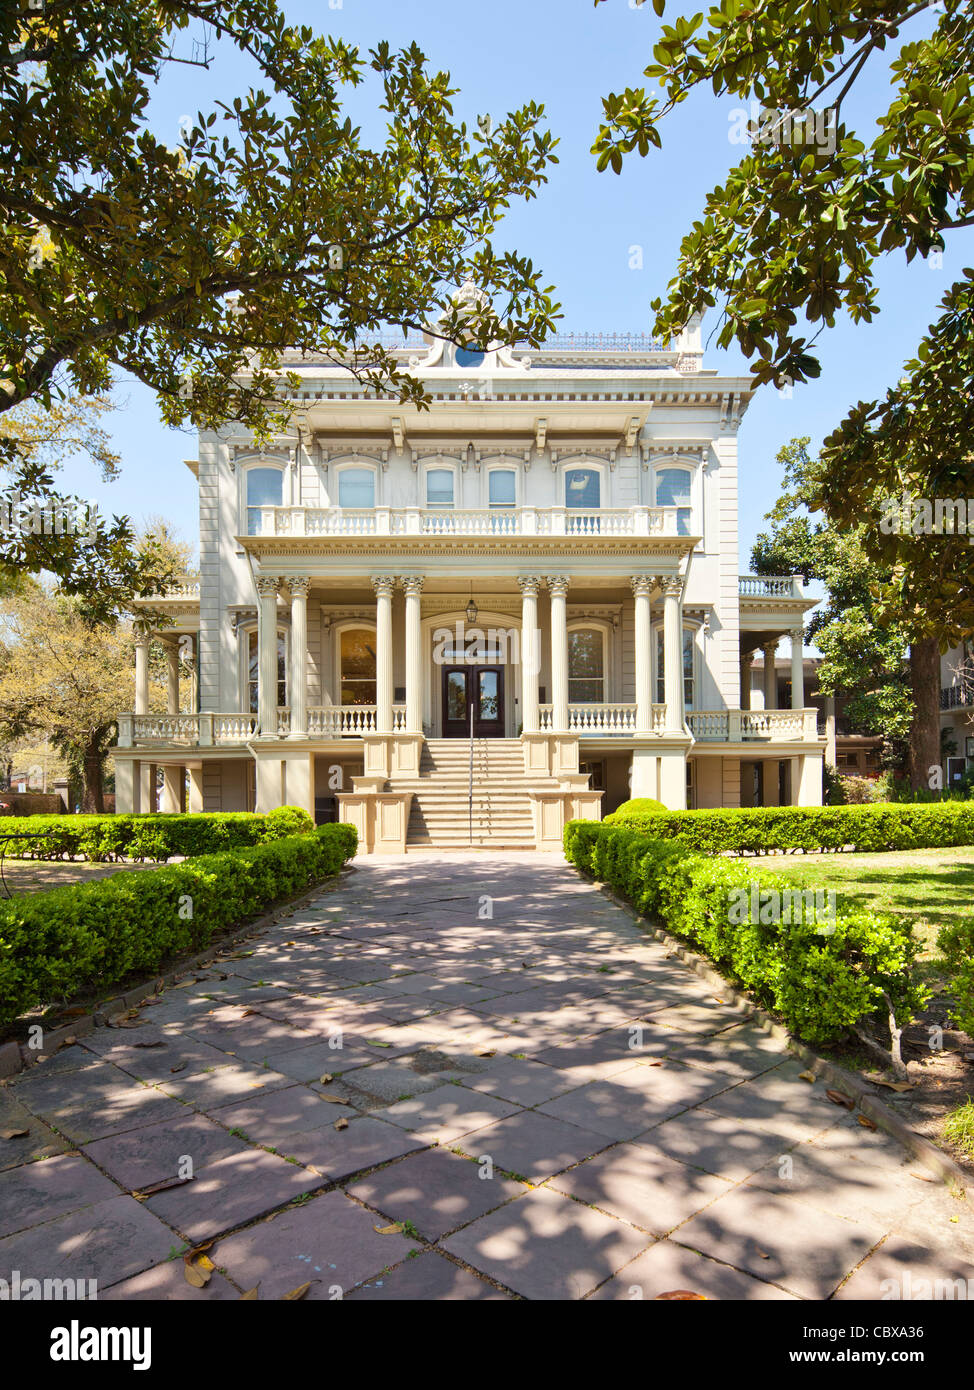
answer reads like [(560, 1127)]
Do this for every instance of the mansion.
[(468, 624)]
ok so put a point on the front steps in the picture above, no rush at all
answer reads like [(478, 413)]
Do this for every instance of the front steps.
[(440, 813)]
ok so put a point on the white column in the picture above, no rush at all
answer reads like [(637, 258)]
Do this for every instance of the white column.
[(673, 653), (383, 587), (747, 661), (797, 669), (558, 591), (298, 694), (267, 656), (770, 650), (530, 652), (141, 672), (172, 678), (413, 587), (642, 587)]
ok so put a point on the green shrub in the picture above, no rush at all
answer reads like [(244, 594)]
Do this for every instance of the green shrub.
[(758, 830), (819, 981), (640, 806), (92, 936), (156, 837), (957, 944)]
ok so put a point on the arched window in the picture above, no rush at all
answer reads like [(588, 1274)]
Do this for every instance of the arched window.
[(264, 489), (356, 487), (673, 490), (583, 487), (357, 662), (439, 488), (688, 672), (253, 669), (586, 666), (501, 488)]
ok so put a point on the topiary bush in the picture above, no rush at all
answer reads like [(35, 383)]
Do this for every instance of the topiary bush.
[(820, 981), (92, 936), (761, 829), (155, 837)]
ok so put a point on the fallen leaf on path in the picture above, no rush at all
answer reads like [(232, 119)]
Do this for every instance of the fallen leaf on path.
[(394, 1230), (840, 1098), (334, 1100), (892, 1085), (164, 1185), (808, 1076), (250, 1296), (326, 1079), (150, 1044), (196, 1275), (14, 1134), (342, 1123), (181, 1066), (295, 1294), (865, 1122), (679, 1294)]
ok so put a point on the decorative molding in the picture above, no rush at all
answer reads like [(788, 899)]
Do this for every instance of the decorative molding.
[(529, 584), (413, 584), (267, 584), (558, 585), (449, 451), (642, 585), (559, 453), (686, 450), (299, 586), (384, 585)]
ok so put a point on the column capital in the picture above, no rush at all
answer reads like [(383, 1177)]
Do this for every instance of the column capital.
[(529, 584), (299, 586), (642, 585), (557, 585), (747, 658), (797, 634), (770, 649), (384, 585), (412, 584), (267, 584), (671, 585)]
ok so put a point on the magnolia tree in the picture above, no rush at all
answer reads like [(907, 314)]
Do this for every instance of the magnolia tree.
[(792, 239)]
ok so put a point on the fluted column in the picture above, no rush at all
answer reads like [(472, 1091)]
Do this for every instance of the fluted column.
[(413, 587), (797, 669), (747, 661), (642, 587), (530, 653), (383, 586), (770, 650), (673, 653), (558, 591), (172, 678), (267, 655), (141, 671), (298, 694)]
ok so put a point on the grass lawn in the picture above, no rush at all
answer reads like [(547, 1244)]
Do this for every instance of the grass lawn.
[(929, 887)]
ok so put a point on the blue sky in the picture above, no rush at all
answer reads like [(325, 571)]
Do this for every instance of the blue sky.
[(566, 54)]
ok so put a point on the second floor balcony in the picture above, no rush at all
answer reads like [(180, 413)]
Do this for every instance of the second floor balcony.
[(500, 521)]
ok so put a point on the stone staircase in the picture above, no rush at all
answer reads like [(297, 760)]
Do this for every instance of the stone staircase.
[(439, 816)]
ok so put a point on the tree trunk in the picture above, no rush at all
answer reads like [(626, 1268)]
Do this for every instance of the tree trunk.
[(925, 728), (92, 767)]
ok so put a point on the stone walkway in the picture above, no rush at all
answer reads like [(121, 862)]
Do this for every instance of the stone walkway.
[(533, 1096)]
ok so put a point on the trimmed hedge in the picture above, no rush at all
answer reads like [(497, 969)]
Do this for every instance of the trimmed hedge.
[(758, 830), (957, 944), (819, 983), (92, 936), (158, 837)]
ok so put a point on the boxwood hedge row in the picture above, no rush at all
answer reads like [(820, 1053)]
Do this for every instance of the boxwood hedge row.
[(819, 982), (759, 830), (91, 936), (107, 839)]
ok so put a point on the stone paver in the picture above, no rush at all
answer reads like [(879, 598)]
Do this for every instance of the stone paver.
[(539, 1104)]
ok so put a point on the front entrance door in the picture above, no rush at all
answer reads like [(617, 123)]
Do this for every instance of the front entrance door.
[(480, 688)]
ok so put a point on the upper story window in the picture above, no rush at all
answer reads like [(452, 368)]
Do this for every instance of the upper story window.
[(586, 666), (356, 487), (264, 489), (439, 487), (469, 357), (502, 487), (673, 490), (583, 487)]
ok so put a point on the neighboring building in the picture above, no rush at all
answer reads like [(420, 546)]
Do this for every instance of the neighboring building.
[(549, 551), (957, 710)]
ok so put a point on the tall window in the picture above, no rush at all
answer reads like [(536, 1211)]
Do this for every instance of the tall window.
[(673, 490), (253, 669), (439, 488), (502, 487), (586, 666), (582, 487), (263, 490), (687, 668), (358, 666), (356, 487)]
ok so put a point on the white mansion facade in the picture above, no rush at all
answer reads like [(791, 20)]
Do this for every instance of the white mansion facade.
[(546, 559)]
